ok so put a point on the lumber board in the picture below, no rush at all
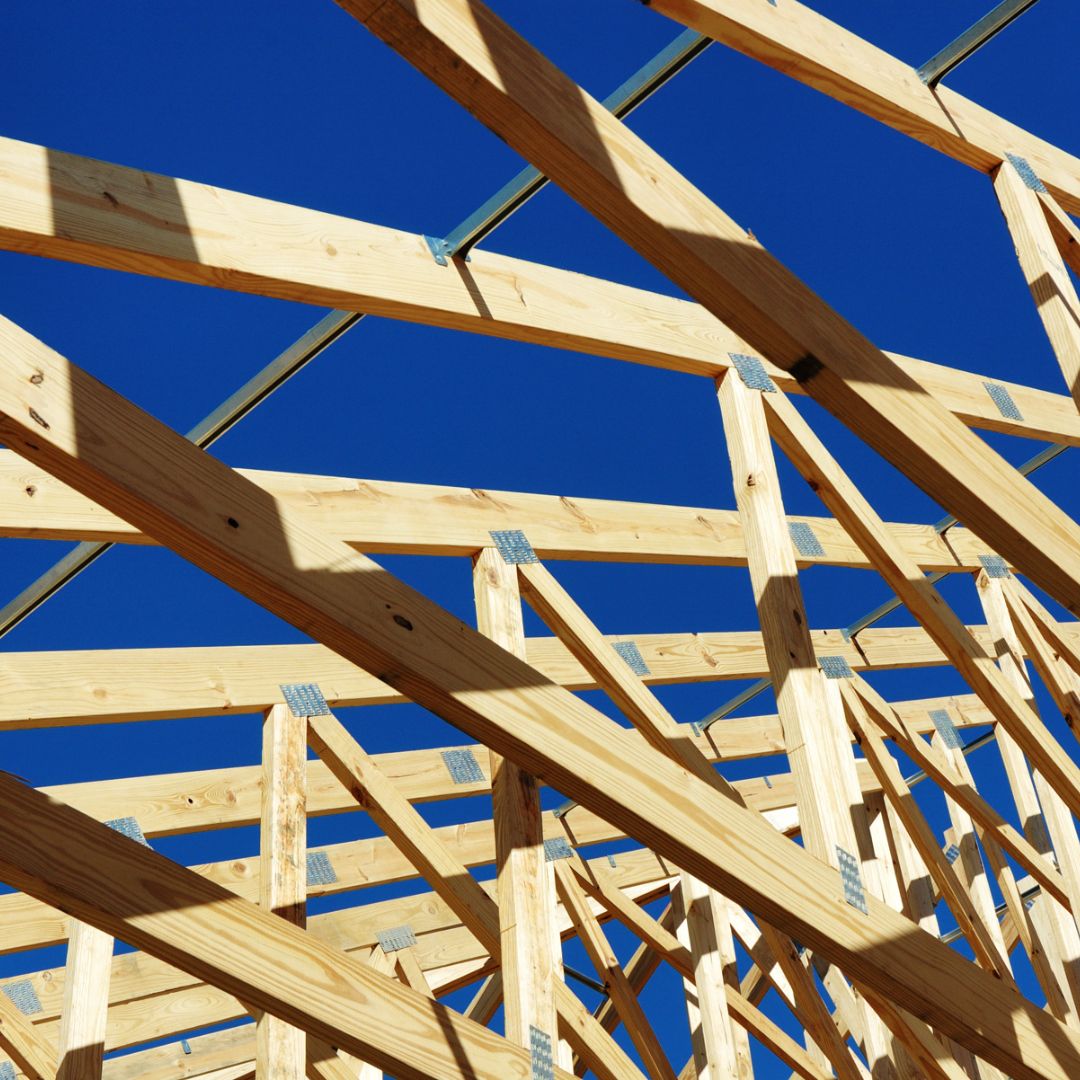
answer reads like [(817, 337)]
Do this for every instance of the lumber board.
[(387, 517), (51, 689), (465, 49), (65, 206), (92, 439), (808, 47)]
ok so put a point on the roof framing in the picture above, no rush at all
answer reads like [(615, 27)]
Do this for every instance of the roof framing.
[(875, 983)]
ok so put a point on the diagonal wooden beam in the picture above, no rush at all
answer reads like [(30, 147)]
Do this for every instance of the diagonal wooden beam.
[(1051, 287), (141, 897), (92, 439), (512, 88), (799, 42)]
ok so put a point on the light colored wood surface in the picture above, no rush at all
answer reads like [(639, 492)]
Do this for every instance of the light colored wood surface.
[(48, 689), (281, 1049), (81, 1037), (382, 516)]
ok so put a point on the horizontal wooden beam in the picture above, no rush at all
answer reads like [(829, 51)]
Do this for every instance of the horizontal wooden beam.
[(810, 48), (385, 517), (359, 864), (91, 438), (69, 207), (51, 689)]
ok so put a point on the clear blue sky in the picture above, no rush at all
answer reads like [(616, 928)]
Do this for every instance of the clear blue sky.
[(298, 103)]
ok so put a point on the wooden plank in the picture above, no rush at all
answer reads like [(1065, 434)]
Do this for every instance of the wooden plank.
[(611, 973), (81, 1039), (1060, 939), (702, 925), (380, 516), (810, 48), (281, 1049), (54, 204), (47, 689), (583, 148), (1051, 287), (347, 602), (529, 963), (968, 917), (24, 1044)]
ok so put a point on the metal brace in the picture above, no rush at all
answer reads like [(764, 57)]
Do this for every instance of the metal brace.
[(305, 699), (396, 938), (1027, 173), (852, 880), (629, 651), (320, 871), (805, 539), (513, 546), (556, 849), (463, 766), (23, 996), (952, 853), (946, 729), (543, 1064), (1001, 397), (129, 827), (995, 566), (752, 372), (836, 667)]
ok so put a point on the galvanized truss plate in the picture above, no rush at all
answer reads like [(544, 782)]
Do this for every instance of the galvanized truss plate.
[(463, 766), (320, 871), (1027, 173), (994, 565), (629, 651), (836, 667), (542, 1060), (559, 848), (946, 728), (852, 880), (513, 546), (395, 938), (129, 827), (1001, 397), (805, 539), (752, 372), (23, 996), (305, 699)]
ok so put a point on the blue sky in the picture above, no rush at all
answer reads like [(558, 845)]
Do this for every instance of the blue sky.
[(298, 103)]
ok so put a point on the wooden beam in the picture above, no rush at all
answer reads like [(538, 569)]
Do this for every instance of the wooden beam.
[(381, 516), (94, 440), (281, 1049), (50, 689), (466, 49), (69, 207), (81, 1040), (799, 42), (1051, 287), (610, 971), (720, 1053), (525, 885), (463, 893), (986, 949)]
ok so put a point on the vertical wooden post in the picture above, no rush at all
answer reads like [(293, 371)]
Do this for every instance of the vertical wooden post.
[(721, 1050), (81, 1039), (818, 752), (281, 1049), (524, 883)]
